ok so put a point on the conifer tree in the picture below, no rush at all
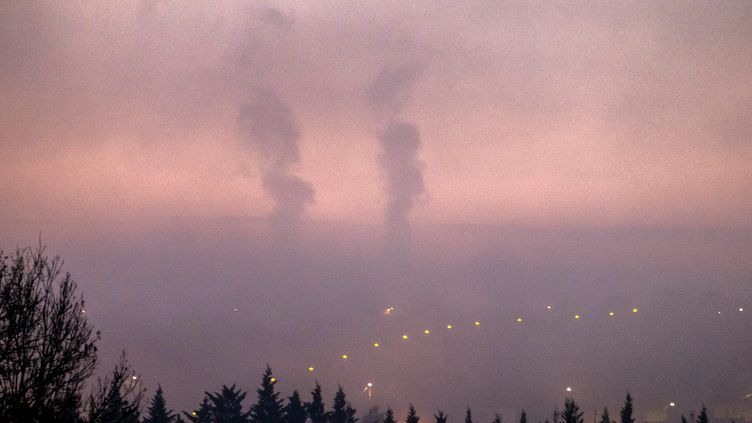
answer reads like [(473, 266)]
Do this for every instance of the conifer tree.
[(684, 419), (374, 415), (226, 406), (295, 410), (338, 414), (412, 416), (203, 414), (315, 408), (627, 411), (389, 416), (268, 407), (441, 417), (350, 412), (571, 412), (497, 418), (605, 418), (703, 416), (468, 416), (523, 416), (157, 411)]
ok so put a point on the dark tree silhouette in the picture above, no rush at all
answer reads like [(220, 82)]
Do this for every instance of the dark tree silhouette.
[(315, 408), (268, 407), (684, 419), (117, 399), (157, 411), (412, 416), (571, 412), (47, 347), (605, 418), (523, 416), (389, 416), (441, 417), (628, 410), (350, 412), (338, 413), (294, 410), (703, 416), (468, 416), (225, 406), (373, 416), (497, 418)]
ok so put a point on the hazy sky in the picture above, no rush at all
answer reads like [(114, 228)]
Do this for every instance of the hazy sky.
[(310, 163)]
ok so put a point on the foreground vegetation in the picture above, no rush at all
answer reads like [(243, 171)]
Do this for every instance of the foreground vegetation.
[(48, 353)]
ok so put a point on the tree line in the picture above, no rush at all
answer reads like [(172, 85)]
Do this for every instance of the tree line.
[(48, 353)]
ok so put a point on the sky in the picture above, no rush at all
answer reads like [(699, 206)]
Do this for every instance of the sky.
[(311, 163)]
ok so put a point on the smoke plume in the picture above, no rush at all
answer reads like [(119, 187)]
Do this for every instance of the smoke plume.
[(268, 127), (399, 142)]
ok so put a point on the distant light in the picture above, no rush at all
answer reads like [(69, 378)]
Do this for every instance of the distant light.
[(310, 369), (477, 323), (376, 345), (672, 404), (741, 309), (193, 413), (519, 320), (611, 313), (549, 307), (84, 311), (234, 309), (569, 389), (719, 311), (344, 356), (634, 310), (134, 377), (449, 326), (388, 311), (404, 336), (272, 379), (370, 385), (426, 331), (576, 316)]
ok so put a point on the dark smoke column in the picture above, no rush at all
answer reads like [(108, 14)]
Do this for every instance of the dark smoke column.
[(399, 142), (267, 125)]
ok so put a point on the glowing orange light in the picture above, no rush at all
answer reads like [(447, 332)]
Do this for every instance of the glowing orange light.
[(310, 369), (344, 356), (477, 323), (272, 379), (376, 345), (519, 320), (611, 313), (449, 326), (634, 310), (426, 331), (404, 336), (576, 316)]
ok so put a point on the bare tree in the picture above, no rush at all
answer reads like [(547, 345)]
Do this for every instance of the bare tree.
[(47, 348), (117, 399)]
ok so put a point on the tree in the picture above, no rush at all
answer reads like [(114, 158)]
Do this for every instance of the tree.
[(225, 406), (350, 412), (605, 418), (703, 416), (268, 407), (571, 412), (684, 419), (157, 411), (627, 410), (373, 416), (389, 416), (412, 416), (523, 416), (315, 408), (441, 417), (117, 399), (295, 410), (48, 348), (468, 416), (497, 418), (338, 414)]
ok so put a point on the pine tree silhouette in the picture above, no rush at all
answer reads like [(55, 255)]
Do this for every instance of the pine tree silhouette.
[(157, 411), (523, 416), (627, 410), (412, 416), (203, 414), (497, 418), (350, 412), (373, 416), (441, 417), (227, 405), (605, 418), (315, 408), (338, 413), (703, 416), (389, 416), (571, 412), (268, 407), (295, 410), (468, 416), (684, 419)]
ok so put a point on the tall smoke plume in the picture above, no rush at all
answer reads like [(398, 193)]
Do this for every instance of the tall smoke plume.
[(399, 142), (268, 127)]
